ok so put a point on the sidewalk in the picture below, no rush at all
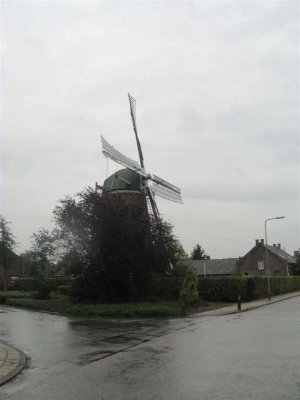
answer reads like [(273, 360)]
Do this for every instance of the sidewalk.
[(250, 305), (13, 361)]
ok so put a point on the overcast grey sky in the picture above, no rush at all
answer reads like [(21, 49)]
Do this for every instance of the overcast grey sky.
[(217, 89)]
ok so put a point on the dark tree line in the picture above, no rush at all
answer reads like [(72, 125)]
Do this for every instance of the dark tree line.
[(112, 250), (7, 246)]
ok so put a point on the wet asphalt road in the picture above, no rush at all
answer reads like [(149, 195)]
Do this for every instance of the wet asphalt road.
[(252, 355)]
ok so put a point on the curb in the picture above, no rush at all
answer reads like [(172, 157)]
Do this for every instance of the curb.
[(272, 301), (12, 362), (247, 306)]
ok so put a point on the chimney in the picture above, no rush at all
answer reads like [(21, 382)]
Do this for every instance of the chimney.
[(262, 241), (296, 254), (274, 245), (256, 242), (279, 246)]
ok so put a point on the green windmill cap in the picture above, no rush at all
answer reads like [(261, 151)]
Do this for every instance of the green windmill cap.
[(124, 179)]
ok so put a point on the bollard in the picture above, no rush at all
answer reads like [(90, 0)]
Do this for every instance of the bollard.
[(239, 302)]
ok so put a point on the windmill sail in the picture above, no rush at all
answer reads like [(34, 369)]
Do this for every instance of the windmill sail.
[(152, 184), (166, 189), (112, 153), (166, 193), (132, 103)]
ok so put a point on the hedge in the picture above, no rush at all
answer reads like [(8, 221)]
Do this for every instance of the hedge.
[(32, 283), (209, 288), (227, 288), (249, 288), (166, 288), (222, 289)]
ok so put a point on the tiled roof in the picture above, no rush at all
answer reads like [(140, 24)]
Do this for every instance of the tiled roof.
[(224, 266), (281, 254)]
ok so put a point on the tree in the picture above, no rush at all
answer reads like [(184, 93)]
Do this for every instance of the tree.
[(30, 260), (43, 251), (189, 291), (7, 245), (40, 262), (198, 253), (177, 252), (112, 249)]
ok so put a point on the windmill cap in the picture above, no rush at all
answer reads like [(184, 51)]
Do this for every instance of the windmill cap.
[(124, 179)]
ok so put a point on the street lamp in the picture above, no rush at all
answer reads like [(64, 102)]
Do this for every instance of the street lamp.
[(268, 271)]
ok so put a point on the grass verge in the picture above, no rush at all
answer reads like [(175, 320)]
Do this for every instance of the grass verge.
[(64, 305)]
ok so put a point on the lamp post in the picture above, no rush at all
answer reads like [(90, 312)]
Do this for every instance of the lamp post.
[(268, 270)]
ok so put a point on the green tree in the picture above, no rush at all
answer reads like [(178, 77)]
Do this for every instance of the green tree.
[(177, 252), (112, 249), (7, 246), (45, 253), (198, 253), (30, 261), (189, 292)]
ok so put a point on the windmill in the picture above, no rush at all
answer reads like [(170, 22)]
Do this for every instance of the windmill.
[(150, 185)]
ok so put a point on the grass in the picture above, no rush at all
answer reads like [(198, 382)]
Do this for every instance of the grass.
[(63, 305), (15, 294)]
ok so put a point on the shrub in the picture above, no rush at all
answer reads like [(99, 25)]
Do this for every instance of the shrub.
[(24, 284), (44, 288), (179, 270), (32, 283), (64, 290), (167, 288), (189, 291)]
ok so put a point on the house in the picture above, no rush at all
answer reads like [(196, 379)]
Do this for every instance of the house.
[(266, 260), (217, 267)]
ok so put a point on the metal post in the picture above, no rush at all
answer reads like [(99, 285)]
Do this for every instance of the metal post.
[(239, 302)]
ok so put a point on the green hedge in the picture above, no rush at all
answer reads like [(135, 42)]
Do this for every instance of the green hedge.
[(222, 289), (226, 288), (209, 288), (250, 288), (166, 288), (31, 283), (281, 285)]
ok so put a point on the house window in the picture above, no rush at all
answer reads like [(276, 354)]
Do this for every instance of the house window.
[(245, 273), (260, 265)]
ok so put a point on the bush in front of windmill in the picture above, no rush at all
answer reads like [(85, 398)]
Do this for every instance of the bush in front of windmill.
[(189, 291)]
